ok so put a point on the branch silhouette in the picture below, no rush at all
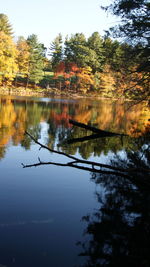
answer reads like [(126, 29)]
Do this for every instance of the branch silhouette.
[(86, 165)]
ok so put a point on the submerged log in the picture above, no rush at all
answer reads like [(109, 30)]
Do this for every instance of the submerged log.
[(82, 139), (100, 132)]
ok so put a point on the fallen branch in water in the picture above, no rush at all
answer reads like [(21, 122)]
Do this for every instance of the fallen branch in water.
[(85, 164), (97, 134), (101, 133), (81, 139)]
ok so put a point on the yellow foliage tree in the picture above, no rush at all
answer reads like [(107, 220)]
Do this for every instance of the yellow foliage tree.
[(8, 54), (107, 81), (85, 79), (23, 56)]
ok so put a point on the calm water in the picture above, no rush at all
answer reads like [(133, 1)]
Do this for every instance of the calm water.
[(47, 213)]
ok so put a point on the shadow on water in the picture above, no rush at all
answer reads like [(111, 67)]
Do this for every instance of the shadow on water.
[(118, 232)]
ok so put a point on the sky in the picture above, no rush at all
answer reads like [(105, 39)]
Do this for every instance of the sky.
[(48, 18)]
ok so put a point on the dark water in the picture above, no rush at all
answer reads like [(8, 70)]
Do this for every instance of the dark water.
[(56, 216)]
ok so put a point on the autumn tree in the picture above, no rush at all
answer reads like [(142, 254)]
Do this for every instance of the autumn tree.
[(5, 26), (85, 79), (36, 59), (23, 55), (107, 82), (60, 69), (8, 56)]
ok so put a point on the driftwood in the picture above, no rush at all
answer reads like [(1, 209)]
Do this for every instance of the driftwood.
[(100, 132), (86, 165)]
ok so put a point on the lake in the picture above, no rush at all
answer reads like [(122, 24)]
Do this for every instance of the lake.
[(64, 217)]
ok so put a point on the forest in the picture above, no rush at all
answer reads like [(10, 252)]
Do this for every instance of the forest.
[(115, 65)]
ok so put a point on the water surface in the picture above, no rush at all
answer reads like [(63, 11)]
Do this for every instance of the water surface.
[(42, 209)]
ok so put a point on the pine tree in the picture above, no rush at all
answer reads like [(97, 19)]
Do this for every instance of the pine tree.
[(85, 53), (56, 51), (95, 42), (75, 49), (5, 26), (36, 59)]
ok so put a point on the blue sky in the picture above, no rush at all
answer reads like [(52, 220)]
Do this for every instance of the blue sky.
[(47, 18)]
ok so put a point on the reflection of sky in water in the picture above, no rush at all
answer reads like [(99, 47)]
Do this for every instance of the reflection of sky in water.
[(26, 222), (41, 210)]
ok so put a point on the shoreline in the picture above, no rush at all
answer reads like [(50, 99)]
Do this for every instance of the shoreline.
[(56, 93), (51, 92)]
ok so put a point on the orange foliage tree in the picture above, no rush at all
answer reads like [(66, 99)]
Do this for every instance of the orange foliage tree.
[(74, 77)]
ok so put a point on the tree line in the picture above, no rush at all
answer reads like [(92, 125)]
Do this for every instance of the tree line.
[(96, 64)]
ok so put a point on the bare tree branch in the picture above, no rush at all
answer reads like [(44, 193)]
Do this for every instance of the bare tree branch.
[(70, 164), (49, 149), (92, 166)]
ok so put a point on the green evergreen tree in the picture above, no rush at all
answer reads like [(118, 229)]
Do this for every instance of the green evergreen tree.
[(36, 59), (75, 49), (56, 51), (85, 53), (5, 26), (114, 54), (134, 27), (95, 43)]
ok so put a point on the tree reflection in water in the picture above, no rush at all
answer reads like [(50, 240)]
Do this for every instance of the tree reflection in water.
[(119, 231)]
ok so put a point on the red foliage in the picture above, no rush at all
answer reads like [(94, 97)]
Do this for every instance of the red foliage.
[(60, 69), (67, 82), (67, 75), (72, 67), (67, 70)]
